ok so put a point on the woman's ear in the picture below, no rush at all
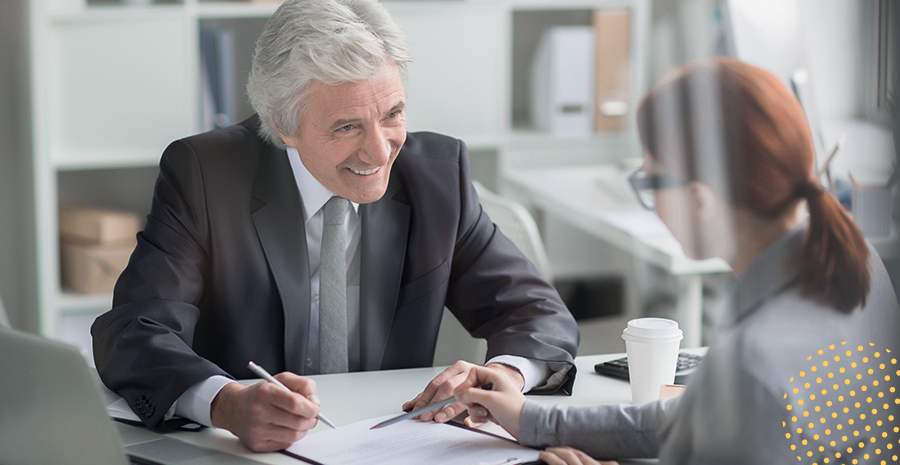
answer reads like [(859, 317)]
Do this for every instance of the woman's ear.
[(704, 201), (714, 222)]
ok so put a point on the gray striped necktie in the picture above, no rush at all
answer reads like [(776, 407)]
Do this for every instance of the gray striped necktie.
[(333, 289)]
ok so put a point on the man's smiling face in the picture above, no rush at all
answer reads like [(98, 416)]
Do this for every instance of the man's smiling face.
[(352, 132)]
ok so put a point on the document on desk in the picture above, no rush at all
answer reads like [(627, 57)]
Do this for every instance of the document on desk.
[(408, 442)]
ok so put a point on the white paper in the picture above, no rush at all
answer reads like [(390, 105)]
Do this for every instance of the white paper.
[(409, 442), (119, 409)]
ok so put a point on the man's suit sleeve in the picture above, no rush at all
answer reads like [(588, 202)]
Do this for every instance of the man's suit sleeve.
[(496, 293), (142, 346)]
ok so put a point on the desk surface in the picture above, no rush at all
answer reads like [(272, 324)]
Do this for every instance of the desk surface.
[(351, 397), (599, 200)]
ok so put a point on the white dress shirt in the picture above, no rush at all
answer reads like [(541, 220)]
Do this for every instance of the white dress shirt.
[(195, 402)]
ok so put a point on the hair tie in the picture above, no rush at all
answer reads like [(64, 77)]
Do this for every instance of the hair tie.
[(807, 190)]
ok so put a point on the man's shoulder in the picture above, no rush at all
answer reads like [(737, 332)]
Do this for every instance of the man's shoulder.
[(238, 140), (432, 145)]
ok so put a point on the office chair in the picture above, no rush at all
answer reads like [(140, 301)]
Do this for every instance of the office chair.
[(454, 342), (516, 223)]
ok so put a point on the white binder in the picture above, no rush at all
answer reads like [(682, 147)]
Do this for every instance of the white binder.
[(562, 81)]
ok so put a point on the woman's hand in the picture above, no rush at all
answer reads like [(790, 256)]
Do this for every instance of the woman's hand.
[(569, 456), (449, 381), (502, 404)]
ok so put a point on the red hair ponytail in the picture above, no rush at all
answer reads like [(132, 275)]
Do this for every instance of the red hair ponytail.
[(738, 129), (835, 255)]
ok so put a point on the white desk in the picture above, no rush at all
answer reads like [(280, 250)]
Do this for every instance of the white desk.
[(351, 397), (599, 201)]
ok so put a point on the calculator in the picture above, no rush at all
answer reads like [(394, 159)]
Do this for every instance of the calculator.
[(618, 368)]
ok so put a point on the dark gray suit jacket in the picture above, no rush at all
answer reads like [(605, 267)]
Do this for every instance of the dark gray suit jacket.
[(220, 274)]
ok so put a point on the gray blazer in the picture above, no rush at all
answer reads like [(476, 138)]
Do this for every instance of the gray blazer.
[(220, 273), (765, 350)]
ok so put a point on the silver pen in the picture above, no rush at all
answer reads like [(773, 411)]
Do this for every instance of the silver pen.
[(266, 376), (424, 409)]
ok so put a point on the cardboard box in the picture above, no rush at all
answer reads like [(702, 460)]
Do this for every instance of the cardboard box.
[(94, 225), (93, 268), (95, 245)]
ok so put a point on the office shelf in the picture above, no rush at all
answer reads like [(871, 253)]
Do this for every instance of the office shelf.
[(236, 9), (112, 84)]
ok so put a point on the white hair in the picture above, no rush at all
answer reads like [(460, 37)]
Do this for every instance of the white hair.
[(331, 41)]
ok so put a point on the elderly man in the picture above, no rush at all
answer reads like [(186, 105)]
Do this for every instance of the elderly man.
[(250, 222)]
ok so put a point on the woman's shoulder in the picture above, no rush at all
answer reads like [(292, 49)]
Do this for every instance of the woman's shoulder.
[(788, 330)]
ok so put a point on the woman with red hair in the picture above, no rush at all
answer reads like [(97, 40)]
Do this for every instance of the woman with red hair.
[(802, 366)]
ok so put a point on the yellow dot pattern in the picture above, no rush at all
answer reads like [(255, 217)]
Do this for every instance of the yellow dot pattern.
[(855, 418)]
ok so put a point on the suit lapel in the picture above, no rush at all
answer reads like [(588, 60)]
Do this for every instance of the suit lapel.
[(278, 217), (385, 229)]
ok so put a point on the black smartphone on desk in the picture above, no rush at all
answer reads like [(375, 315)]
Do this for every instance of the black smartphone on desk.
[(618, 368)]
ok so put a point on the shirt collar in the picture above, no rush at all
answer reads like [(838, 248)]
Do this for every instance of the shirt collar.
[(773, 269), (312, 192)]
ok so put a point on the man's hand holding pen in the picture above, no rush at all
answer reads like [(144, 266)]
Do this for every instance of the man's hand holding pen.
[(266, 417)]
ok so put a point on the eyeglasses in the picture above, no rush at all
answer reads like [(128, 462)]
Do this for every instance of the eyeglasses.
[(645, 186)]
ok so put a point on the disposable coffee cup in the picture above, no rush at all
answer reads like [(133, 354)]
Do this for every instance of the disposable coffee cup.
[(652, 347)]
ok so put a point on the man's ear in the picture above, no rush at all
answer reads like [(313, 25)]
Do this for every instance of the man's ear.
[(704, 200), (289, 141)]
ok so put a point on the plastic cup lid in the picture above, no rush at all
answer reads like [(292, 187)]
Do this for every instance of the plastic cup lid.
[(652, 328)]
